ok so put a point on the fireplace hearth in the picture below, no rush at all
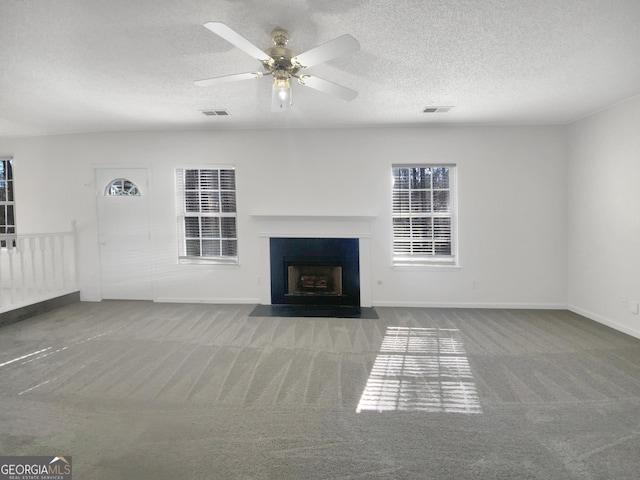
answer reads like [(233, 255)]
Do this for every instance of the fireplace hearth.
[(315, 271)]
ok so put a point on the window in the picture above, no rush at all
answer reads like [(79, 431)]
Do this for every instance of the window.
[(423, 222), (207, 215), (7, 203), (121, 187)]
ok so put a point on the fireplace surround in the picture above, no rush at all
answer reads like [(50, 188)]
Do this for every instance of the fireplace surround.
[(315, 271)]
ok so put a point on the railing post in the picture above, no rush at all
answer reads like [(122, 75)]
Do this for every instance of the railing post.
[(23, 271), (53, 240), (43, 259), (32, 250), (63, 277), (10, 253), (74, 252)]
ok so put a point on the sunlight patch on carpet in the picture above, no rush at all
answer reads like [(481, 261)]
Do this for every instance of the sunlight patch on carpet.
[(421, 369)]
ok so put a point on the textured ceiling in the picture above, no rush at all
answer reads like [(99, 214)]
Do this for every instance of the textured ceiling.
[(97, 65)]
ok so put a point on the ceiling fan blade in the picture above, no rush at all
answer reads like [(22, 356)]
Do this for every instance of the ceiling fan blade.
[(328, 87), (333, 48), (207, 82), (233, 37)]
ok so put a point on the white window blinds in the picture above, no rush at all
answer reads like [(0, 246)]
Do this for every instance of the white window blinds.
[(423, 223), (207, 214)]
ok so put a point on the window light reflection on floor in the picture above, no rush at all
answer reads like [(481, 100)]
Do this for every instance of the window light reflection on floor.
[(421, 369)]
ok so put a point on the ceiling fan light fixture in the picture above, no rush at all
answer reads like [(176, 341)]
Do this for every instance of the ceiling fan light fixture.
[(281, 98)]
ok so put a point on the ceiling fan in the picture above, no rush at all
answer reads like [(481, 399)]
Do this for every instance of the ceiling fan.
[(283, 64)]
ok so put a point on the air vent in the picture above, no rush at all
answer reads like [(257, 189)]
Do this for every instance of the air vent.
[(215, 113), (436, 109)]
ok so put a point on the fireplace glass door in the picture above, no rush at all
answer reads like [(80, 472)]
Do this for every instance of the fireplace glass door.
[(314, 280)]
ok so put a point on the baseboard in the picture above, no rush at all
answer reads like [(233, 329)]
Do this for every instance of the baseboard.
[(604, 321), (218, 301), (28, 311), (515, 306)]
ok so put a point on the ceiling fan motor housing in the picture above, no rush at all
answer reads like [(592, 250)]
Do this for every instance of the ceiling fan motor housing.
[(281, 65)]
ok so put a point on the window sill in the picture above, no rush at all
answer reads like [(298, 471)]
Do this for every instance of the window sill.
[(425, 267), (208, 261)]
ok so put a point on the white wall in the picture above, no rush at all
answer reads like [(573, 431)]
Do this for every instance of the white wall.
[(604, 216), (512, 204)]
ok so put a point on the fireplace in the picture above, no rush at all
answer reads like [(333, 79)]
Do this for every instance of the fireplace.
[(315, 271)]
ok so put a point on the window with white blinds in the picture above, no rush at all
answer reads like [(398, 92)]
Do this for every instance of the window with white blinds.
[(207, 215), (7, 203), (423, 215)]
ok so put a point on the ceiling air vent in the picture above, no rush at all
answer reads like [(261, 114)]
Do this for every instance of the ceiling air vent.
[(436, 109), (215, 113)]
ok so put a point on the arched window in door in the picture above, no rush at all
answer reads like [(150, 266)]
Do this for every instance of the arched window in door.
[(121, 187)]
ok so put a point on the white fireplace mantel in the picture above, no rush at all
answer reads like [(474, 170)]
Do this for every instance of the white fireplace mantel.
[(272, 225), (294, 216), (295, 225)]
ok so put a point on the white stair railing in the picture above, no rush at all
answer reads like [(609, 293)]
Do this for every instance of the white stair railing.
[(36, 267)]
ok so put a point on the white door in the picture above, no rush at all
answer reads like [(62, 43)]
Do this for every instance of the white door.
[(124, 233)]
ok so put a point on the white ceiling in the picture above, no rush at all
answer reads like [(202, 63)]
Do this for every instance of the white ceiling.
[(113, 65)]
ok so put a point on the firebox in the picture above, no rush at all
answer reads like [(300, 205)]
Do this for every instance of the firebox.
[(315, 271), (314, 280)]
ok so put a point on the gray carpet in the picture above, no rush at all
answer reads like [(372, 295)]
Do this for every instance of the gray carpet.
[(137, 390)]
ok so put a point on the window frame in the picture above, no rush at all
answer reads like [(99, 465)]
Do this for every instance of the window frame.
[(184, 212), (8, 239), (400, 259)]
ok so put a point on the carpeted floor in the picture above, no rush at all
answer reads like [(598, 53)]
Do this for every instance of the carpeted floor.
[(137, 390)]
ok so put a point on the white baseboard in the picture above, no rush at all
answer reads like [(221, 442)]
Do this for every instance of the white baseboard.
[(218, 301), (90, 299), (518, 306), (605, 321)]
